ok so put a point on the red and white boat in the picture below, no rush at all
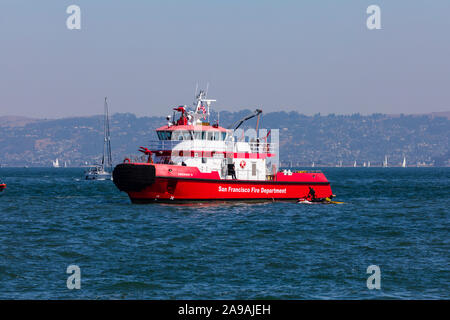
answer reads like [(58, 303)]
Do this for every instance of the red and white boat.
[(196, 161)]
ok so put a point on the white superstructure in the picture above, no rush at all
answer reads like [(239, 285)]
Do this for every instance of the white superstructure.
[(193, 142)]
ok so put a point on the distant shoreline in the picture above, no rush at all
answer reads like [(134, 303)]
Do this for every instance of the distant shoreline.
[(15, 120)]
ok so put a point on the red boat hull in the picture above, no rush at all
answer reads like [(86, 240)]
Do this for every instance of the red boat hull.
[(2, 186), (146, 183), (180, 190)]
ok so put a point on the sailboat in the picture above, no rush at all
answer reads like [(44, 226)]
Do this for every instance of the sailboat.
[(385, 163), (404, 162), (103, 171), (354, 164), (313, 165), (55, 163), (368, 164)]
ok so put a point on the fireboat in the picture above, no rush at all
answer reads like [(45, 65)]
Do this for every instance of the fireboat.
[(196, 161)]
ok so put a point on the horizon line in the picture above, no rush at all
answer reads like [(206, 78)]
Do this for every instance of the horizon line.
[(246, 109)]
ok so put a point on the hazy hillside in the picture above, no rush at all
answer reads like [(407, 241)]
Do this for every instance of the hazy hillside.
[(303, 139)]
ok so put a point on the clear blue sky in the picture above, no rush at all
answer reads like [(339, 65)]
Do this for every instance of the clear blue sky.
[(146, 56)]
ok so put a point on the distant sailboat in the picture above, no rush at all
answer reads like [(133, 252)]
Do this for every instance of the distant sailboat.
[(104, 170), (312, 166), (364, 164), (368, 164), (404, 162), (354, 164), (385, 163), (55, 163)]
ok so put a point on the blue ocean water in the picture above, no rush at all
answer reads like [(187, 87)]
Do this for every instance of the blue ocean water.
[(396, 218)]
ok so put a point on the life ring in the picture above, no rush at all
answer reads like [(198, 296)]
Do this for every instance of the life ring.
[(126, 160), (242, 164)]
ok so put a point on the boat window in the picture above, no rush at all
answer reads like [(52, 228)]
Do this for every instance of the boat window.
[(177, 136), (197, 135), (164, 135), (187, 135), (182, 135), (209, 135)]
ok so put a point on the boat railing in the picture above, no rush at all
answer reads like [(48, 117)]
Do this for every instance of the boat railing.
[(226, 146), (247, 174), (163, 145), (139, 158), (287, 171), (263, 147)]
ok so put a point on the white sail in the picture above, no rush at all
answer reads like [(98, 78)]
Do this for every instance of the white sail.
[(404, 162), (56, 163)]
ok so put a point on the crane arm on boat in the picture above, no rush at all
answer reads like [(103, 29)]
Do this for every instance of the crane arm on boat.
[(238, 123)]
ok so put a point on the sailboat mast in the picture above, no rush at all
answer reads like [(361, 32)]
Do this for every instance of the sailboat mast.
[(107, 158), (109, 139), (104, 136)]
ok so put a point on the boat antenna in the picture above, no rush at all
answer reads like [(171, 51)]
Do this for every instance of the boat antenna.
[(195, 93)]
